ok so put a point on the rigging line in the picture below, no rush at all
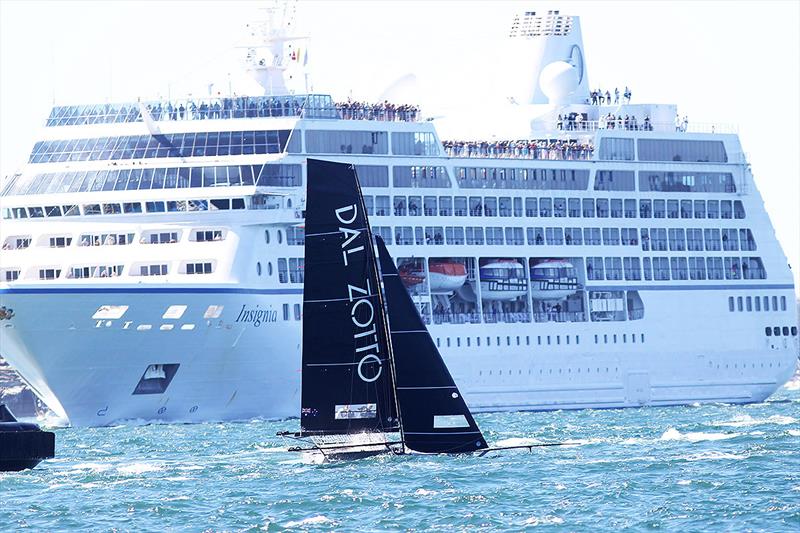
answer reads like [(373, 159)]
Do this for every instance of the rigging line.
[(330, 233), (341, 364), (443, 433), (411, 331), (429, 388)]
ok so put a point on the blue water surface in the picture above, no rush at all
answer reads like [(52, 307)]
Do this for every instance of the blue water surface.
[(697, 468)]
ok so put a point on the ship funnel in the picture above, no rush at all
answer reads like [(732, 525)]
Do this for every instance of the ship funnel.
[(548, 65)]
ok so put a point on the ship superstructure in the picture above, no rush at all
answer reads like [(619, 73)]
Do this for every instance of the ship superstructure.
[(152, 252)]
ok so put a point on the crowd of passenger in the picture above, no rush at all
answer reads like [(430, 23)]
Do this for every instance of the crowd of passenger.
[(237, 107), (255, 107), (520, 149), (385, 110), (599, 97), (579, 121)]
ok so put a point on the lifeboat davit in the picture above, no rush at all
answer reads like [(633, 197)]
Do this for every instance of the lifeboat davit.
[(446, 276), (553, 279), (503, 279)]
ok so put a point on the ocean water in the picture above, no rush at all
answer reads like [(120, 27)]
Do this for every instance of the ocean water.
[(695, 468)]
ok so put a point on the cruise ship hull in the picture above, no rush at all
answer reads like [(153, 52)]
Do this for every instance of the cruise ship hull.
[(229, 368)]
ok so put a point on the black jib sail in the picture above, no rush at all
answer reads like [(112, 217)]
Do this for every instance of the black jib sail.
[(434, 417), (346, 374)]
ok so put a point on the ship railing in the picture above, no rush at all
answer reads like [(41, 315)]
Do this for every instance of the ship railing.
[(456, 318), (509, 318), (619, 124), (559, 316), (311, 106), (518, 150)]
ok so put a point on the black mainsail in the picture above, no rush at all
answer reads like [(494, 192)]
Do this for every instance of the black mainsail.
[(347, 379), (370, 367), (434, 416)]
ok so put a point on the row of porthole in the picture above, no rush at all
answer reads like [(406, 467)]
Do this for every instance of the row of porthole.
[(162, 409), (550, 372), (736, 365), (777, 331), (279, 235), (269, 268)]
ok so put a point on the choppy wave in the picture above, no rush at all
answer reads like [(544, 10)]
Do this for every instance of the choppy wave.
[(736, 465)]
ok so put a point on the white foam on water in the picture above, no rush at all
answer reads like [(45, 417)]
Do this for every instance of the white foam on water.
[(318, 520), (632, 440), (559, 486), (792, 384), (794, 432), (189, 468), (544, 521), (714, 456), (139, 468), (95, 467), (272, 449), (177, 498), (684, 482), (517, 441), (697, 436), (747, 420), (424, 492)]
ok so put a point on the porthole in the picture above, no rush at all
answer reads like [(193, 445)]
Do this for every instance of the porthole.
[(266, 236), (288, 203), (269, 268), (258, 268), (280, 236)]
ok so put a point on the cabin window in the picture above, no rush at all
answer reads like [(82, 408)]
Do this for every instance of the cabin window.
[(415, 143), (60, 242), (103, 271), (208, 235), (347, 142), (49, 273), (297, 314), (153, 270), (286, 311), (616, 149), (682, 150), (91, 209), (155, 207), (372, 175), (163, 237)]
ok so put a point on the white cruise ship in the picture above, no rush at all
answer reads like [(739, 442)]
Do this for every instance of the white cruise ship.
[(152, 252)]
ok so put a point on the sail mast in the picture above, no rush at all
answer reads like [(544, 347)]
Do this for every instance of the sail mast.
[(385, 313)]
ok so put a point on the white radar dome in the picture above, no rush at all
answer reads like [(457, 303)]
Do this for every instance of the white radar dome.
[(558, 81)]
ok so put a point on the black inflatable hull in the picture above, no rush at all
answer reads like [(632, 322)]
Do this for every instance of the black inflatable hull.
[(23, 445)]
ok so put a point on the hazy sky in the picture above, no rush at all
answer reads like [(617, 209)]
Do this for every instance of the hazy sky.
[(731, 62)]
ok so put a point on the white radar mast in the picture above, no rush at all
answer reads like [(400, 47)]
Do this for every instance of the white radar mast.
[(275, 57)]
